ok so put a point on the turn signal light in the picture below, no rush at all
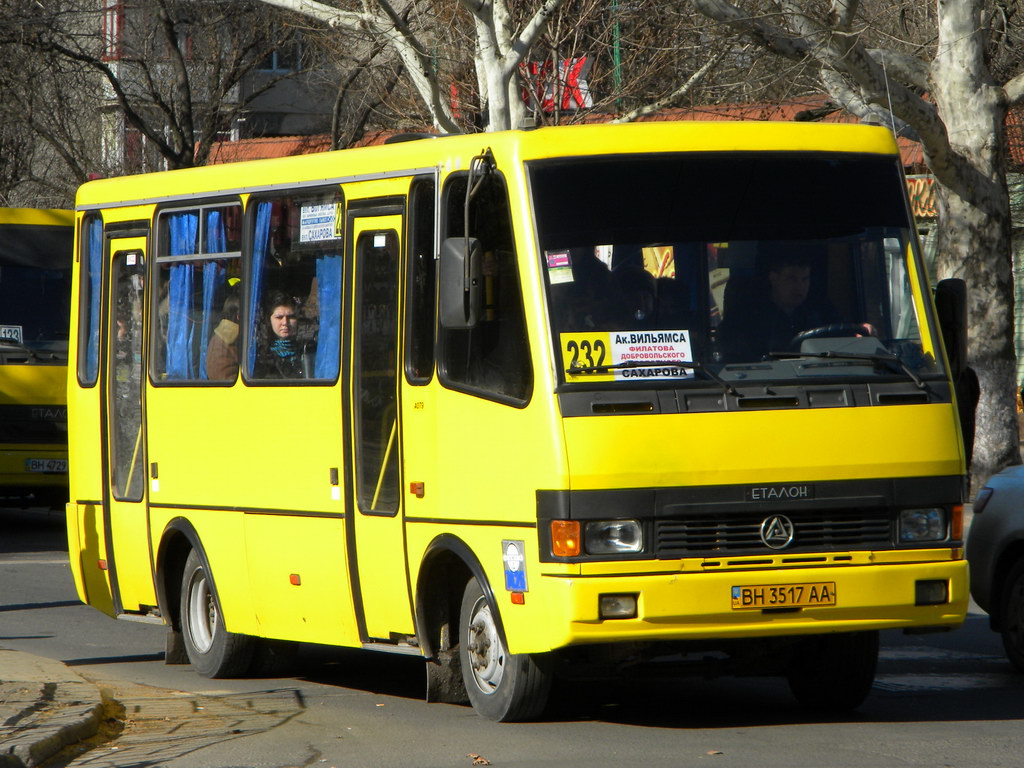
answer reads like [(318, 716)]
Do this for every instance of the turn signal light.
[(956, 527), (565, 538)]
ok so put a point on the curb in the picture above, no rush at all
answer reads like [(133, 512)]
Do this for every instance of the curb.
[(57, 709)]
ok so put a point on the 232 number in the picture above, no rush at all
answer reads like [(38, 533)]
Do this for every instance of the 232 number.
[(585, 352)]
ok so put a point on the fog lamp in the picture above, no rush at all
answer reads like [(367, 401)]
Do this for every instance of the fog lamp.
[(617, 606), (931, 592), (611, 537), (922, 524)]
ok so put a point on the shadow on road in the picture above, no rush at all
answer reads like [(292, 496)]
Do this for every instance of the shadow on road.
[(952, 677), (35, 606)]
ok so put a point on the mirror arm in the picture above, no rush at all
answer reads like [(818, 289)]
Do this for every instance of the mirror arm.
[(479, 167)]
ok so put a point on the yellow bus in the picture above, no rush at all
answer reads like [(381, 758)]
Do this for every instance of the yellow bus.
[(523, 404), (36, 249)]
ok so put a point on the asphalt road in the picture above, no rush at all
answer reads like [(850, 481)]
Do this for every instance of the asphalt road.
[(939, 700)]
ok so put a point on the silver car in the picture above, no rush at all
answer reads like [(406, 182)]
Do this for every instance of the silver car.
[(995, 551)]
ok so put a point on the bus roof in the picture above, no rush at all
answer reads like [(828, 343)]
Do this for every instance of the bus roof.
[(455, 153)]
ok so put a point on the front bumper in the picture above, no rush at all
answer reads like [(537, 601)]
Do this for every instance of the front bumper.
[(698, 605)]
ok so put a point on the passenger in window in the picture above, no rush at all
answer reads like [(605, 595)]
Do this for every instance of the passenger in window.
[(633, 287), (587, 298), (766, 317), (282, 358), (222, 352)]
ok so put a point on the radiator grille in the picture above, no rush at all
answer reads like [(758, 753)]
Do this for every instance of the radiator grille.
[(735, 533)]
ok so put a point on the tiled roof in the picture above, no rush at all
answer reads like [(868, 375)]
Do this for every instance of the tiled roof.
[(259, 149), (283, 146)]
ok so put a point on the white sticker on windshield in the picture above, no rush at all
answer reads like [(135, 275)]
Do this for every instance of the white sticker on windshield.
[(12, 332), (626, 355)]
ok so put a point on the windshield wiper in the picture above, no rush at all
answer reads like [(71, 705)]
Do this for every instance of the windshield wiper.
[(870, 358), (575, 370)]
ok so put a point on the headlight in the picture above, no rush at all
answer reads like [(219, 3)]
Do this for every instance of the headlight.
[(612, 537), (922, 524)]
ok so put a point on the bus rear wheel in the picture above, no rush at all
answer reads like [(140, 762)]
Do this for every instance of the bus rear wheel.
[(502, 686), (211, 649), (834, 673)]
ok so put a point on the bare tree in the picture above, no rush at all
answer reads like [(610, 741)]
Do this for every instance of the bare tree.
[(172, 69), (947, 71), (499, 47)]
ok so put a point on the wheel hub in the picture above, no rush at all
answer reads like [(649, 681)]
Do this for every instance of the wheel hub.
[(486, 655)]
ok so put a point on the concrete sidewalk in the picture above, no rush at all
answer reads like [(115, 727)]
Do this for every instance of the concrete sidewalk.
[(45, 706)]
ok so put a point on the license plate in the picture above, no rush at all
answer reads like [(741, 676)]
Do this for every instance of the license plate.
[(783, 595), (46, 465)]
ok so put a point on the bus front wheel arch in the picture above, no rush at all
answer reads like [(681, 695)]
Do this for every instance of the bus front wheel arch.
[(439, 593), (501, 686)]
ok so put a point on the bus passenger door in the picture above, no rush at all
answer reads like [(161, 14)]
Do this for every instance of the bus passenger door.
[(375, 503), (125, 515)]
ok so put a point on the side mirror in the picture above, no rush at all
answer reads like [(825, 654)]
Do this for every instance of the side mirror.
[(460, 292), (951, 305)]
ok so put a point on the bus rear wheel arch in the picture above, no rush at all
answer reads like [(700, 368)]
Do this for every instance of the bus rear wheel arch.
[(212, 650)]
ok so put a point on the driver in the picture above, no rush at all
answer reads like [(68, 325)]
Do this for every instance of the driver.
[(770, 320)]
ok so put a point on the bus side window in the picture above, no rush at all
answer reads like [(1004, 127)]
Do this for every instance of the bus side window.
[(294, 297), (197, 266), (492, 359), (89, 302), (421, 315)]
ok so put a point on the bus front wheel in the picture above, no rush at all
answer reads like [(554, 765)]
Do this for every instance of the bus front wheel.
[(502, 686), (211, 649), (834, 673)]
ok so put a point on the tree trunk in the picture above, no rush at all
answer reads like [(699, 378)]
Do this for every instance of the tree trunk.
[(974, 244), (975, 236)]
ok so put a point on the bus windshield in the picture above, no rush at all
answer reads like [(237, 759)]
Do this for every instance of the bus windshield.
[(35, 290), (734, 266)]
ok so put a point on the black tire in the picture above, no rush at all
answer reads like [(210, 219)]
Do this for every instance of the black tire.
[(834, 673), (212, 650), (502, 686), (1011, 613)]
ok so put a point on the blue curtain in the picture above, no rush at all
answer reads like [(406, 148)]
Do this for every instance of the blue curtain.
[(94, 260), (216, 238), (180, 327), (261, 239), (328, 280)]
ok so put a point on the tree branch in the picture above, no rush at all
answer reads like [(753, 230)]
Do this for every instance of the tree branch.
[(388, 25), (681, 91), (1014, 90)]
